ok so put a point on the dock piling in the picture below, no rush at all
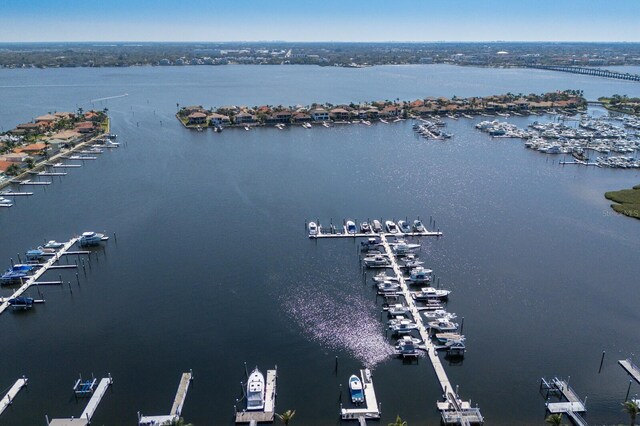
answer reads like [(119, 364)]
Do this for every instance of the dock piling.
[(601, 361), (626, 398), (19, 259)]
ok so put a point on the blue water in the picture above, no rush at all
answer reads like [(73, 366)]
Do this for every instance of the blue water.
[(210, 267)]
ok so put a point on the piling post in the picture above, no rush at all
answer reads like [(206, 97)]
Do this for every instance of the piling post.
[(336, 367), (19, 259), (12, 262), (69, 283), (461, 325), (245, 370), (601, 361), (77, 278), (340, 397), (626, 398)]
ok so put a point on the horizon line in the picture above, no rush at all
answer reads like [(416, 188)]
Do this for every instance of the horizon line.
[(323, 41)]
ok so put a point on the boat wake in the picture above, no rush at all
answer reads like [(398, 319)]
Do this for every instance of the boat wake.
[(341, 323)]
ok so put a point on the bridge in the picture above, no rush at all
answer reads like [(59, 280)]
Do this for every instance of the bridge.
[(597, 72)]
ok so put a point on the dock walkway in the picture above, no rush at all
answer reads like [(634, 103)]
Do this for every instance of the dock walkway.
[(372, 409), (453, 410), (176, 408), (630, 368), (33, 279), (572, 407), (7, 400), (268, 414), (90, 409)]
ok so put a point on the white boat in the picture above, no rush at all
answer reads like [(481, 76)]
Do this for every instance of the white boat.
[(365, 228), (439, 313), (377, 261), (418, 226), (369, 244), (376, 226), (351, 227), (398, 309), (404, 226), (247, 128), (92, 238), (313, 229), (404, 326), (382, 277), (411, 261), (427, 293), (255, 390), (5, 202), (449, 337), (388, 287), (54, 244), (356, 390), (443, 325), (391, 227), (402, 247), (420, 275), (407, 346)]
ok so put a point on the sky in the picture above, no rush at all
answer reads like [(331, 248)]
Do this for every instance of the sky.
[(327, 20)]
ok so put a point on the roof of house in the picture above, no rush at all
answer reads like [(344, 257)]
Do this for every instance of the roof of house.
[(4, 165), (197, 115), (46, 117), (34, 147)]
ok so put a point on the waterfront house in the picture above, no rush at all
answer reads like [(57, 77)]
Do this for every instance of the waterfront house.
[(373, 113), (283, 117), (389, 111), (4, 165), (27, 128), (47, 118), (339, 114), (85, 127), (219, 120), (245, 118), (319, 114), (32, 149), (14, 157), (300, 117), (197, 118)]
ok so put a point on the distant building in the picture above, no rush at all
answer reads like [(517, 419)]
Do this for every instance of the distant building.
[(319, 114), (197, 118)]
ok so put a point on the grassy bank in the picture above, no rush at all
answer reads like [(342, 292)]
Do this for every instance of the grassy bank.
[(627, 201)]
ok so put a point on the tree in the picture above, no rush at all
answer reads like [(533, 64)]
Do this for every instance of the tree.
[(286, 416), (398, 422), (180, 422), (554, 419), (12, 170), (632, 408)]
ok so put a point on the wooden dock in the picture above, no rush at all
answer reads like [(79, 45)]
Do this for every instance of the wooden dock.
[(630, 368), (371, 410), (453, 410), (176, 408), (90, 409), (7, 400), (33, 279), (572, 407), (268, 414)]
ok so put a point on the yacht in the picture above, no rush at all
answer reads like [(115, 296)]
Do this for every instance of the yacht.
[(427, 293), (404, 326), (377, 261), (351, 227), (376, 226), (38, 253), (443, 325), (92, 238), (365, 228), (391, 227), (418, 226), (398, 309), (420, 275), (21, 302), (455, 348), (313, 229), (255, 390), (356, 390), (15, 273), (54, 244), (382, 277), (411, 261), (369, 244), (388, 287), (449, 337), (402, 247), (407, 346), (404, 226), (439, 313)]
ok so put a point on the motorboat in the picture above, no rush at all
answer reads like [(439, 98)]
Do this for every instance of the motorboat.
[(365, 228), (21, 302), (388, 287), (427, 293), (351, 227), (377, 261), (92, 238), (398, 309), (404, 326), (439, 313), (376, 226), (401, 247), (382, 277), (255, 390), (38, 253), (455, 348), (449, 337), (411, 261), (407, 346), (418, 226), (369, 244), (420, 275), (391, 227), (54, 244), (5, 202), (443, 325), (313, 229), (404, 227), (356, 390)]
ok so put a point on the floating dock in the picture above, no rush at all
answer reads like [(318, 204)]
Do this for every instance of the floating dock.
[(176, 408), (15, 194), (90, 409), (7, 400), (344, 234), (266, 415), (572, 407), (372, 409), (453, 409), (630, 368), (30, 182), (33, 279)]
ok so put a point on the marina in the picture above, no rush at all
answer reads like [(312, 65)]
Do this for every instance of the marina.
[(90, 409), (573, 405), (7, 400), (176, 408)]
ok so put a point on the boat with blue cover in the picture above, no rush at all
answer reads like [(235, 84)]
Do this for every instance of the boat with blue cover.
[(356, 390), (21, 302)]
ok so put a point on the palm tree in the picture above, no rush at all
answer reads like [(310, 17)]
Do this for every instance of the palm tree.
[(180, 422), (554, 419), (632, 408), (398, 422), (286, 416)]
